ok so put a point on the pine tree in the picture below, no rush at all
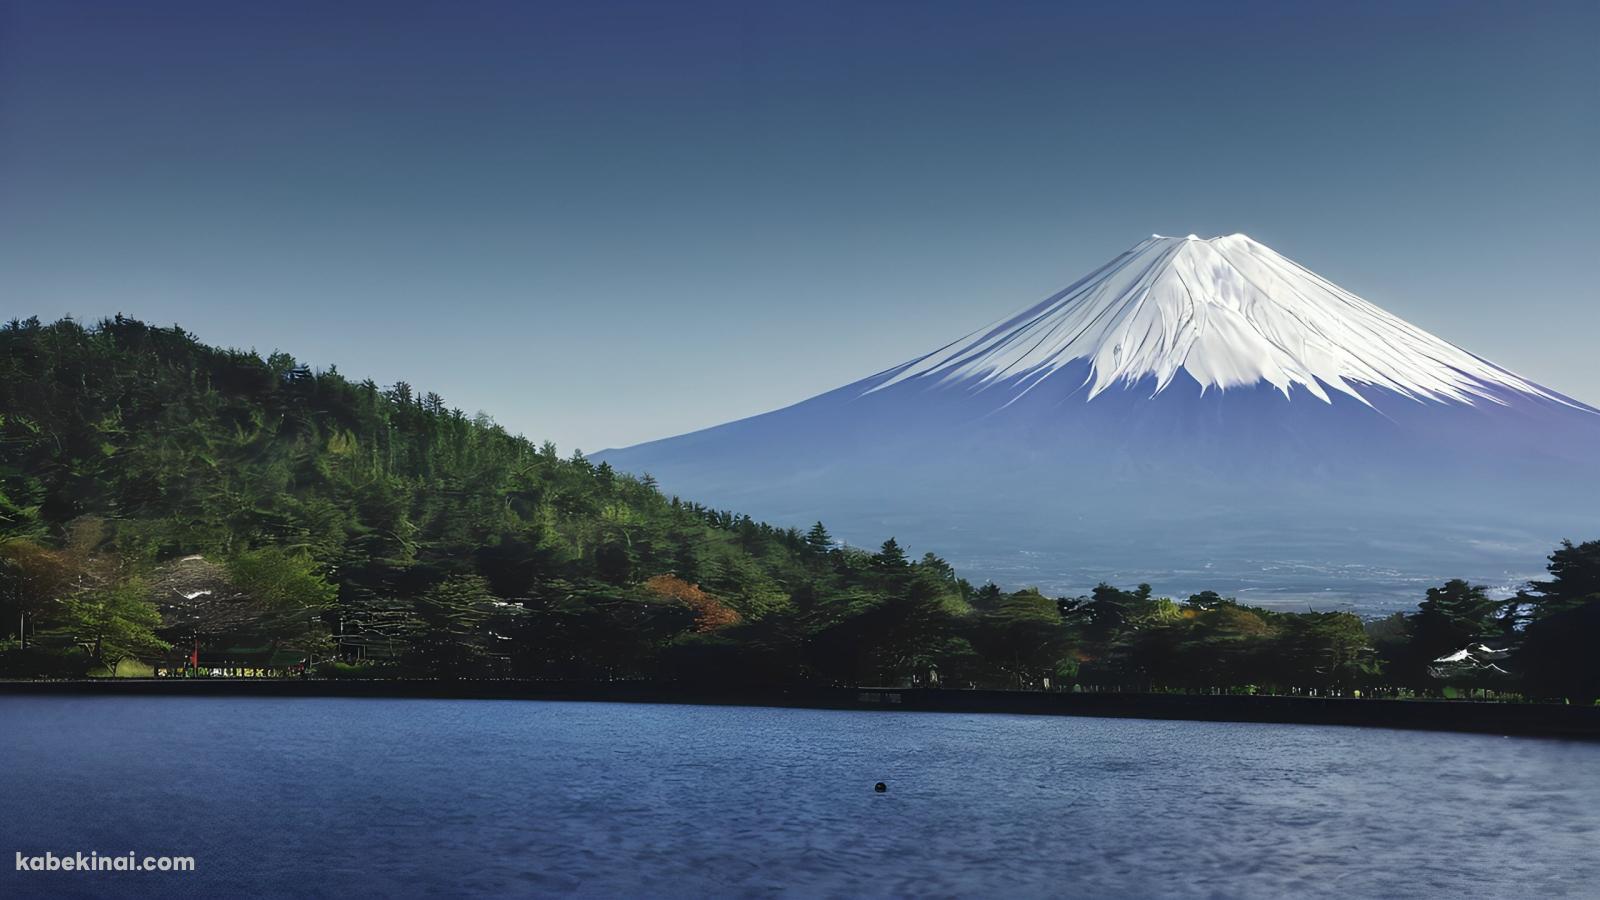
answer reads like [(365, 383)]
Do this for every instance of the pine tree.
[(818, 539), (1450, 618), (890, 557)]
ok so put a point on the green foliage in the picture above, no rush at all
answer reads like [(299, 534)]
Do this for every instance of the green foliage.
[(1449, 619), (460, 628), (1574, 581), (33, 581), (1113, 613), (356, 522), (1022, 638), (1323, 650), (1558, 657), (113, 623), (285, 587), (336, 669), (890, 559), (818, 540)]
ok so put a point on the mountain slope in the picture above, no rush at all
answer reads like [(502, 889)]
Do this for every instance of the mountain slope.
[(1190, 408), (179, 448)]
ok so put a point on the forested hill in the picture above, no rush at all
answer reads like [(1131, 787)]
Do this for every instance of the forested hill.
[(138, 446), (184, 448), (168, 504)]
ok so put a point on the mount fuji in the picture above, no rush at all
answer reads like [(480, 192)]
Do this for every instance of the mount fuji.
[(1199, 414)]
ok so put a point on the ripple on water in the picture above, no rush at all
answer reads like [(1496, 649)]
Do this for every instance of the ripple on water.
[(281, 797)]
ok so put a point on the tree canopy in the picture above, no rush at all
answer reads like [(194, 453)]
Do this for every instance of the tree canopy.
[(161, 499)]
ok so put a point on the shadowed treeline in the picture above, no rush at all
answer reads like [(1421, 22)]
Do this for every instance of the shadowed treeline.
[(169, 506)]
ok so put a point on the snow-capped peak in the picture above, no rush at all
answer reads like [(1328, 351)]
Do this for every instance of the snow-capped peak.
[(1228, 312)]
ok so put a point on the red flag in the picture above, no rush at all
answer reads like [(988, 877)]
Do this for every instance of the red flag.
[(194, 658)]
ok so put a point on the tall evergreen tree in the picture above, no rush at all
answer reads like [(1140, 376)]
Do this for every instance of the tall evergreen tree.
[(818, 539), (890, 557), (1557, 657), (1449, 618)]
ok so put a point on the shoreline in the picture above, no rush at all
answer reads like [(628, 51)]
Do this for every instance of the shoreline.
[(1521, 719)]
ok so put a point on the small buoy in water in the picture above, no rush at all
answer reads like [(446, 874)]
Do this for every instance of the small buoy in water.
[(880, 787)]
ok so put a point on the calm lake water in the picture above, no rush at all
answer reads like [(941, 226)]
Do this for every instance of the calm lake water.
[(381, 798)]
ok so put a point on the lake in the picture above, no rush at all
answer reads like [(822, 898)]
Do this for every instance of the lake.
[(364, 797)]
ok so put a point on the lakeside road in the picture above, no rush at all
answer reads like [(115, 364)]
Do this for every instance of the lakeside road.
[(1525, 719)]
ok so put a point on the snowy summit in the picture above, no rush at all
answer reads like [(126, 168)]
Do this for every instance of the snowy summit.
[(1225, 311)]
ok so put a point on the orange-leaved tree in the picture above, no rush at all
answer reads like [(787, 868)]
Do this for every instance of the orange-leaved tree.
[(710, 613)]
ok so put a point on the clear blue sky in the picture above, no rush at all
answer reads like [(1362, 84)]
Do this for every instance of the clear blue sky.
[(604, 223)]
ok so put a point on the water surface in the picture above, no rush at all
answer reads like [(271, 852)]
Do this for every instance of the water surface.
[(351, 797)]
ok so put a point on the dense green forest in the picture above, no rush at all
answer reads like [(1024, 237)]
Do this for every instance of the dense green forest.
[(172, 505)]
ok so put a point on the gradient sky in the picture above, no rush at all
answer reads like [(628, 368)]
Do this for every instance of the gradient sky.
[(604, 223)]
